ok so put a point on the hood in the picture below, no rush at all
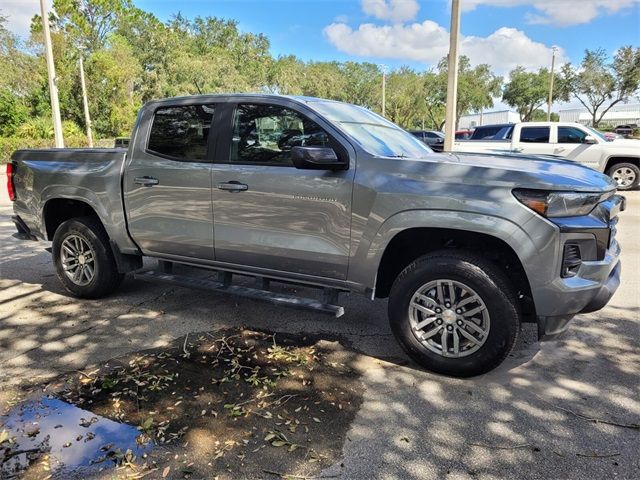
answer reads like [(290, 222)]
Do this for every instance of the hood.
[(624, 142), (521, 171)]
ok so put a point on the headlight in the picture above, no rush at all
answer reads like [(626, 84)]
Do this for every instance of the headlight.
[(560, 204)]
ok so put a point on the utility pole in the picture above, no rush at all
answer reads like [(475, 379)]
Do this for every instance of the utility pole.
[(384, 88), (452, 79), (85, 104), (51, 70), (553, 64)]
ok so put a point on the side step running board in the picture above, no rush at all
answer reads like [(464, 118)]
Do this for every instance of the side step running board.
[(254, 293)]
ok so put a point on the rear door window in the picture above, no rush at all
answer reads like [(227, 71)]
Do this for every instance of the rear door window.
[(181, 132), (534, 134)]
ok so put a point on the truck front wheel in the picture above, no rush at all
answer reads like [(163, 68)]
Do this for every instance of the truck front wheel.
[(454, 313), (626, 175), (83, 258)]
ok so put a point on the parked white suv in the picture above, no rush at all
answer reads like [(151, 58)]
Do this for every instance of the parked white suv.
[(619, 158)]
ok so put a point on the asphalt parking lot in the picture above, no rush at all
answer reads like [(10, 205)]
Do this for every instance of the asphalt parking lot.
[(569, 408)]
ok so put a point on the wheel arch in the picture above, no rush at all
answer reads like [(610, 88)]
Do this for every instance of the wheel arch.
[(58, 210), (615, 159), (398, 247)]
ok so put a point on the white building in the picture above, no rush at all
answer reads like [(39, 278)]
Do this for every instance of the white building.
[(487, 118), (621, 114)]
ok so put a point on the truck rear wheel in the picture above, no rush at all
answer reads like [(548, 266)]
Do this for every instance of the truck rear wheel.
[(626, 175), (454, 313), (83, 258)]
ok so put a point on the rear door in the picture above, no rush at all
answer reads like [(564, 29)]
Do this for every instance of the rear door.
[(533, 140), (269, 214), (167, 182)]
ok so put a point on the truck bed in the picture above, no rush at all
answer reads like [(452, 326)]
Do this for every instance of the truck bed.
[(90, 175)]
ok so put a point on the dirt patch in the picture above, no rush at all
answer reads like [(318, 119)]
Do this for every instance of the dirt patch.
[(229, 404)]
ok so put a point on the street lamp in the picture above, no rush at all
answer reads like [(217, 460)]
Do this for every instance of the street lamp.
[(452, 78), (384, 87), (554, 49), (85, 102), (51, 71)]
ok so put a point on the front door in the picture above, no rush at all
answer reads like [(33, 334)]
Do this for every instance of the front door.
[(267, 213), (572, 145), (167, 183)]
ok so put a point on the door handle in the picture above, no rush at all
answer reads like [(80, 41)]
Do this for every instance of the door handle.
[(146, 181), (518, 149), (233, 186)]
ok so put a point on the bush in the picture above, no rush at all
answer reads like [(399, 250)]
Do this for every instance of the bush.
[(10, 144), (42, 128)]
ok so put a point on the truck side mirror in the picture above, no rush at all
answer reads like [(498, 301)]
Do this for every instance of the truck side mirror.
[(590, 139), (316, 158)]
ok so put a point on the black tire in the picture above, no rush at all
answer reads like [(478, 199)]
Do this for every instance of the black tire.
[(628, 169), (488, 282), (105, 271)]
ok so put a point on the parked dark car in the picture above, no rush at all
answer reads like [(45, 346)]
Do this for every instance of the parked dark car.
[(463, 134), (625, 130), (121, 142), (432, 138), (497, 131)]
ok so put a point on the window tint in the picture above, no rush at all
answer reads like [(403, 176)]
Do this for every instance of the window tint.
[(492, 132), (485, 132), (267, 133), (570, 135), (181, 132), (534, 134)]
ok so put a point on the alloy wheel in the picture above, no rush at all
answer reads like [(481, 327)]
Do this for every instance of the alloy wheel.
[(78, 260), (624, 176), (449, 318)]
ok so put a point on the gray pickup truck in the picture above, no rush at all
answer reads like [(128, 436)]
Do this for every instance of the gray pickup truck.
[(325, 194)]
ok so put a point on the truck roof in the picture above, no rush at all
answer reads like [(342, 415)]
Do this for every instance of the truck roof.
[(253, 96)]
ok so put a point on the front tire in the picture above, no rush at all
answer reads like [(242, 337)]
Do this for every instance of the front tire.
[(83, 258), (454, 313), (626, 175)]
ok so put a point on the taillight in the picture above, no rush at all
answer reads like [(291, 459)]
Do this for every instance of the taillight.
[(10, 188)]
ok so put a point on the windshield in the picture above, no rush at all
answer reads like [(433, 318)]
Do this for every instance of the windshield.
[(373, 133), (598, 134)]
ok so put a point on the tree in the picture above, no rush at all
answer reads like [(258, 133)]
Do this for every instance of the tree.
[(363, 84), (600, 85), (540, 115), (406, 103), (89, 22), (528, 91), (477, 86)]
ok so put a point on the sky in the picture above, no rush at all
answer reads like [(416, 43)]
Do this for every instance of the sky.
[(502, 33)]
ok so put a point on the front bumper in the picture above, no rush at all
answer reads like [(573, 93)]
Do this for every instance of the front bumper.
[(598, 277), (551, 327)]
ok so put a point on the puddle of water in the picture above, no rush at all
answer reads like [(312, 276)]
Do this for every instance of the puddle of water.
[(73, 438)]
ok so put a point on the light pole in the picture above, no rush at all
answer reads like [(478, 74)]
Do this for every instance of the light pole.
[(51, 71), (553, 64), (384, 88), (85, 103), (452, 79)]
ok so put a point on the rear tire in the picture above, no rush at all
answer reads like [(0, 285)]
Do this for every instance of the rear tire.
[(626, 175), (459, 295), (83, 258)]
